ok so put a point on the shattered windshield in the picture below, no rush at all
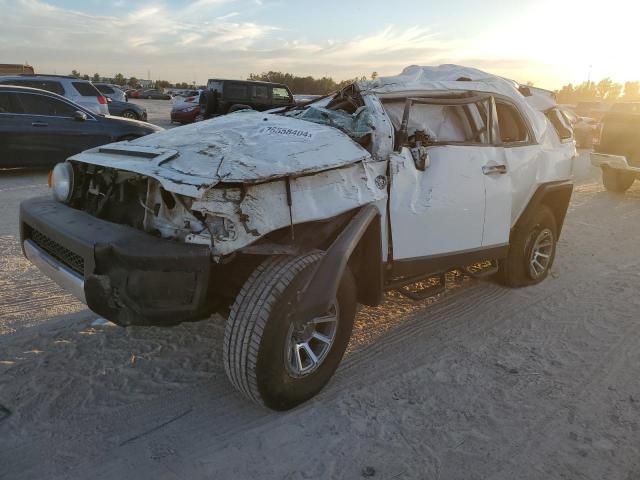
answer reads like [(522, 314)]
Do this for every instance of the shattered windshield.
[(346, 112)]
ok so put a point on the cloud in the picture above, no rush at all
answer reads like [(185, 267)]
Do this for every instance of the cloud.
[(203, 40)]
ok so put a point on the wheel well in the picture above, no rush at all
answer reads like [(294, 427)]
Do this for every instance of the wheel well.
[(365, 262), (558, 203), (555, 196)]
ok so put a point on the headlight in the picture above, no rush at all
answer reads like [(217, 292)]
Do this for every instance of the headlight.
[(62, 182), (189, 109)]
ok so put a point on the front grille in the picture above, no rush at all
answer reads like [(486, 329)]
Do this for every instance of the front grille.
[(72, 260)]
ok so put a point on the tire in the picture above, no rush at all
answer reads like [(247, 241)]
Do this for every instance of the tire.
[(617, 181), (130, 114), (259, 328), (517, 270), (149, 97)]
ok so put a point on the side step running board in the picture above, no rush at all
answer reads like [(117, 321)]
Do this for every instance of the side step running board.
[(402, 286), (423, 293)]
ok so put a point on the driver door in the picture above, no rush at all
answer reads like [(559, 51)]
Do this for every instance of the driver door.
[(438, 177)]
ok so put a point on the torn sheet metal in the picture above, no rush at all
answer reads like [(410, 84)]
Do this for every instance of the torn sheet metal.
[(445, 79), (242, 147), (357, 125), (263, 208)]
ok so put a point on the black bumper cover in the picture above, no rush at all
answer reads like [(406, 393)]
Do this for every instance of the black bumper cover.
[(130, 277)]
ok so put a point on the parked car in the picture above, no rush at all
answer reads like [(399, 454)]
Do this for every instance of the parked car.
[(225, 96), (291, 219), (595, 110), (154, 94), (183, 95), (77, 90), (586, 130), (618, 153), (111, 91), (626, 107), (40, 128), (185, 113), (136, 93), (127, 110)]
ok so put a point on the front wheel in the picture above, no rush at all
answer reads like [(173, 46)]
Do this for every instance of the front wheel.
[(617, 181), (532, 250), (269, 357)]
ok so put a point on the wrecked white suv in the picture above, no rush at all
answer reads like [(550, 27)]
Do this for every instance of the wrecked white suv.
[(287, 220)]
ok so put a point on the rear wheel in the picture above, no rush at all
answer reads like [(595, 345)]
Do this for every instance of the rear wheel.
[(617, 181), (532, 250), (271, 358), (130, 114)]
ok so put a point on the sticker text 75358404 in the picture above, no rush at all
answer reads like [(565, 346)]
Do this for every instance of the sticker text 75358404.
[(287, 132)]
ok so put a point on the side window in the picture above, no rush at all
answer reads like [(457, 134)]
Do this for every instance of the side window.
[(261, 93), (560, 123), (49, 86), (236, 91), (214, 85), (34, 104), (440, 123), (86, 89), (8, 103), (280, 95), (512, 126), (104, 89)]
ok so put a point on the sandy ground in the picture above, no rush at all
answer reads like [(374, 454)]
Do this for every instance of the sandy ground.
[(481, 382)]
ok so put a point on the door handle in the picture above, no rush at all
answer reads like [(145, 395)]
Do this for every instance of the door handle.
[(493, 169), (39, 124)]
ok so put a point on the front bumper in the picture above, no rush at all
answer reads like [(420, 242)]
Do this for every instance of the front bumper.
[(618, 162), (121, 273)]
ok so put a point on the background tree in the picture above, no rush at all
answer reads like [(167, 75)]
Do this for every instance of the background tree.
[(119, 79), (75, 73), (85, 77), (96, 77), (301, 85), (631, 91), (133, 81), (162, 84)]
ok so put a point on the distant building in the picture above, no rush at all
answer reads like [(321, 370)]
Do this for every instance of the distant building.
[(145, 83), (15, 68)]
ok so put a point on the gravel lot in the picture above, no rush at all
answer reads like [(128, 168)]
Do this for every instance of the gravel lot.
[(157, 111), (480, 382)]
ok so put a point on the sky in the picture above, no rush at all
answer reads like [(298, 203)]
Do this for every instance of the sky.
[(547, 42)]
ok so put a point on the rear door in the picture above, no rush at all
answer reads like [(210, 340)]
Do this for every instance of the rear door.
[(235, 93), (260, 97), (14, 128)]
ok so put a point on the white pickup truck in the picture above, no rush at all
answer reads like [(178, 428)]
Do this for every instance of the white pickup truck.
[(287, 220)]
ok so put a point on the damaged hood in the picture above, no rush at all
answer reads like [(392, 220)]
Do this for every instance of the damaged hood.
[(242, 147)]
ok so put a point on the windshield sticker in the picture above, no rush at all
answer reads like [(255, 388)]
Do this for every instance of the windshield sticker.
[(287, 132)]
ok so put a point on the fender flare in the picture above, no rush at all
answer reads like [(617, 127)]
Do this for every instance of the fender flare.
[(319, 293), (556, 196)]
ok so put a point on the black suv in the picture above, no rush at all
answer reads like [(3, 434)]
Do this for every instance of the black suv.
[(225, 96)]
